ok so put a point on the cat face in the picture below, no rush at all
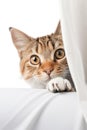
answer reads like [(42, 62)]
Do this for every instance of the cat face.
[(41, 58)]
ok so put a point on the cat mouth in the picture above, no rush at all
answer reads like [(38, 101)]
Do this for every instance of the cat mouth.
[(49, 78)]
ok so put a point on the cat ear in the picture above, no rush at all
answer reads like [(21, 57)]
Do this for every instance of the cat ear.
[(19, 39), (58, 29)]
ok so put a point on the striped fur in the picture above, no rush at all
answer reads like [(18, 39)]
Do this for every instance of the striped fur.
[(37, 56)]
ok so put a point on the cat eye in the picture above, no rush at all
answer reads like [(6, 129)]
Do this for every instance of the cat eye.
[(34, 59), (59, 54)]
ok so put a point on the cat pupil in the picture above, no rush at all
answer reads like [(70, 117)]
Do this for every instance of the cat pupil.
[(59, 52), (35, 59)]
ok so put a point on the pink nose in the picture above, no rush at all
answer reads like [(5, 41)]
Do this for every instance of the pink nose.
[(48, 71)]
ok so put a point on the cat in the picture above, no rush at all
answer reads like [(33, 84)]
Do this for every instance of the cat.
[(43, 61)]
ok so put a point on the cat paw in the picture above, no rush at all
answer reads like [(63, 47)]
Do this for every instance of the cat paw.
[(59, 85)]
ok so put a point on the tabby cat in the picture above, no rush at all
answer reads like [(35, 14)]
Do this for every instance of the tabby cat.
[(42, 60)]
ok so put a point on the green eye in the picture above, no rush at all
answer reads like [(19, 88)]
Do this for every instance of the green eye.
[(35, 60), (59, 53)]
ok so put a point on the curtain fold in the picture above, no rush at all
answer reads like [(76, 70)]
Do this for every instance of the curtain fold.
[(74, 30)]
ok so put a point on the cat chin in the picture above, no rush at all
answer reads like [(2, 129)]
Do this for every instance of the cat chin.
[(33, 83)]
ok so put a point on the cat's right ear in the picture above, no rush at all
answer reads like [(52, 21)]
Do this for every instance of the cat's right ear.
[(19, 39), (58, 29)]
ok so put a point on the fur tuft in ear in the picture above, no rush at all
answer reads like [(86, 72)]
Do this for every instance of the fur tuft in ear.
[(10, 28), (19, 38), (58, 29)]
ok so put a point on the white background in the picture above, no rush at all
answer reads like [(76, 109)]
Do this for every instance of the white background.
[(34, 17)]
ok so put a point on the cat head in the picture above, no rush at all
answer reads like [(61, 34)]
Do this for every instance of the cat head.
[(41, 58)]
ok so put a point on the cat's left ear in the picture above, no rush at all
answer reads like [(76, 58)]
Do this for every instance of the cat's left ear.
[(20, 39), (58, 29)]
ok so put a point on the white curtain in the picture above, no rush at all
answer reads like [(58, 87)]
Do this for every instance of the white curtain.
[(74, 29)]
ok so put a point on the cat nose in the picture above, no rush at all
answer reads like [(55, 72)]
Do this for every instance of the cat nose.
[(48, 71)]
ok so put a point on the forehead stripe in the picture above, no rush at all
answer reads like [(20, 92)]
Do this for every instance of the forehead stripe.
[(39, 48), (50, 45)]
